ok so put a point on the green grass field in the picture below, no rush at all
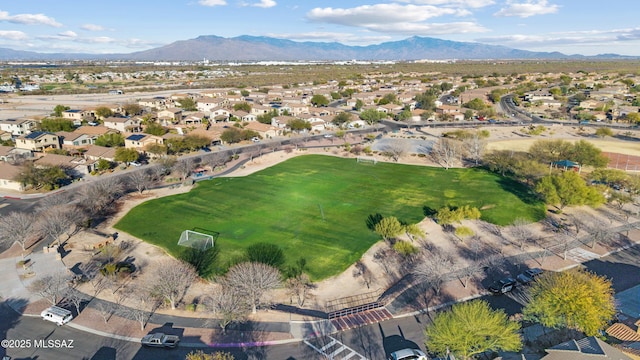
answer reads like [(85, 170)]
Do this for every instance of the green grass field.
[(316, 207)]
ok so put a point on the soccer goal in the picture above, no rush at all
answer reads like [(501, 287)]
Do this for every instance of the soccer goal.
[(367, 160), (196, 240)]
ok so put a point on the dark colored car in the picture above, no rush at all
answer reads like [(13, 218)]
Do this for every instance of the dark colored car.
[(503, 286), (529, 276)]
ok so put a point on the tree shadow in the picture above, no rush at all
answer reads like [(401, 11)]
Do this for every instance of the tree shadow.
[(10, 312), (523, 192), (373, 220), (395, 342)]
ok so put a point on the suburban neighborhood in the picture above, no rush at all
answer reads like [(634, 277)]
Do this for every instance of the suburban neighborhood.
[(349, 218)]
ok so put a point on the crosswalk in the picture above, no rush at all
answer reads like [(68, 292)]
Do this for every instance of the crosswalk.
[(360, 319), (331, 348)]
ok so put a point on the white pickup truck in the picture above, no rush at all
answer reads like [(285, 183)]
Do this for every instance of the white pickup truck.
[(160, 340)]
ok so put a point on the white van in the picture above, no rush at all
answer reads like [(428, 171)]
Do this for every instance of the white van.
[(57, 315)]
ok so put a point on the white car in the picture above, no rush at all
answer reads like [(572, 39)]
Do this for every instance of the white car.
[(135, 163), (408, 354), (255, 139)]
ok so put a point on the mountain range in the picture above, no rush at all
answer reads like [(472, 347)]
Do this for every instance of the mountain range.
[(261, 48)]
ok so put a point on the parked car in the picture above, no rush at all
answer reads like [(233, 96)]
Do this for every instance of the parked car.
[(57, 315), (503, 286), (408, 354), (529, 276), (135, 163), (160, 340)]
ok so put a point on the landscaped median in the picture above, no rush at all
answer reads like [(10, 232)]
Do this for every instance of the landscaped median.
[(316, 207)]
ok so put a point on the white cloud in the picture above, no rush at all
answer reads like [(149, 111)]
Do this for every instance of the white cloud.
[(265, 4), (326, 36), (528, 8), (212, 2), (29, 19), (591, 37), (452, 3), (92, 27), (68, 34), (371, 15), (96, 40), (13, 35)]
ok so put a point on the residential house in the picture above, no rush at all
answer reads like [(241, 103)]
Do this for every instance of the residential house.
[(76, 115), (219, 114), (158, 103), (8, 175), (38, 141), (95, 153), (193, 119), (17, 127), (170, 116), (74, 166), (213, 133), (141, 141), (540, 94), (265, 131), (123, 124), (75, 140), (281, 122), (447, 109), (295, 109), (205, 104), (587, 348), (260, 109)]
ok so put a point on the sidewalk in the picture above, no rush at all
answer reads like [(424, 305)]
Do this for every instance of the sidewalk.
[(200, 332)]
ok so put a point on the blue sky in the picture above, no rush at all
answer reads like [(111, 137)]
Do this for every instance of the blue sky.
[(116, 26)]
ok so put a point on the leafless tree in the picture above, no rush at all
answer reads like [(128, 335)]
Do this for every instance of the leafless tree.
[(98, 197), (386, 258), (106, 310), (396, 148), (57, 220), (216, 159), (51, 287), (252, 280), (446, 152), (59, 198), (140, 180), (228, 305), (364, 273), (520, 232), (17, 227), (298, 287), (475, 146), (141, 305), (75, 298), (598, 229), (468, 271), (172, 279), (184, 167), (433, 269)]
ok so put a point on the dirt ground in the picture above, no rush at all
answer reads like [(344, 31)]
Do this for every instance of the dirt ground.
[(342, 285)]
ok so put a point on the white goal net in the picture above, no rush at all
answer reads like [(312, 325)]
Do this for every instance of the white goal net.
[(196, 240), (367, 159)]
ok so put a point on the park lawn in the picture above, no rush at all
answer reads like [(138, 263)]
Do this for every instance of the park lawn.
[(316, 207)]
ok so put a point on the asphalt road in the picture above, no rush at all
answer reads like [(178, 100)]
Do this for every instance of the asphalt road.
[(374, 341)]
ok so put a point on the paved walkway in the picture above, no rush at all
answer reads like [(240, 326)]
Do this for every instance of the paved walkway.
[(282, 329)]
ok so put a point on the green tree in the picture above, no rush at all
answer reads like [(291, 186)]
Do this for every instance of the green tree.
[(132, 109), (359, 104), (298, 125), (475, 104), (155, 128), (231, 135), (110, 140), (405, 248), (388, 228), (389, 98), (126, 155), (470, 329), (604, 132), (103, 112), (195, 142), (187, 104), (244, 106), (341, 118), (372, 116), (546, 151), (59, 109), (587, 154), (266, 118), (56, 124), (47, 177), (568, 188), (574, 299), (319, 100), (104, 164)]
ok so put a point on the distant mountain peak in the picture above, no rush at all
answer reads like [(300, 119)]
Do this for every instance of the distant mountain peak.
[(264, 48)]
